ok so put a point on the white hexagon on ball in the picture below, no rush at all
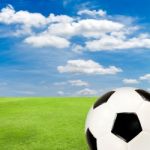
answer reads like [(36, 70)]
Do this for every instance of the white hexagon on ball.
[(119, 120)]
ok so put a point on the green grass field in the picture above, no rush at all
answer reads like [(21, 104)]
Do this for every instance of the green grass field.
[(43, 123)]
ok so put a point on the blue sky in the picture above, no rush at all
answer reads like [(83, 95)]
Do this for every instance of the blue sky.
[(73, 48)]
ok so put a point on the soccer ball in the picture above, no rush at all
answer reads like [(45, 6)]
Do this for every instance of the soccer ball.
[(120, 120)]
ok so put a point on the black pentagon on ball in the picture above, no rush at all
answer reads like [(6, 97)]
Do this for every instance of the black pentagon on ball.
[(144, 94), (91, 140), (103, 99), (126, 126)]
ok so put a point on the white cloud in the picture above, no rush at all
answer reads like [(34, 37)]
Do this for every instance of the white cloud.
[(84, 27), (72, 83), (22, 31), (98, 33), (47, 41), (92, 12), (77, 48), (9, 16), (116, 43), (130, 81), (59, 18), (25, 21), (78, 83), (87, 67), (145, 77), (87, 92), (96, 28), (61, 29), (60, 93)]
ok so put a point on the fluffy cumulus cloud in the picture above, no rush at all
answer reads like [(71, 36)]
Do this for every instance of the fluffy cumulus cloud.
[(34, 25), (145, 77), (130, 81), (87, 67), (8, 16), (98, 30), (84, 28), (46, 41), (118, 43), (87, 92)]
